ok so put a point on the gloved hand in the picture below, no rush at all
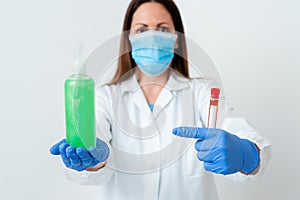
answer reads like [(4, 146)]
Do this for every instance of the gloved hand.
[(79, 158), (222, 152)]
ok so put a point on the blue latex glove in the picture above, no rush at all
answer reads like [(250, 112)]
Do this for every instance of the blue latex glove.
[(79, 158), (222, 152)]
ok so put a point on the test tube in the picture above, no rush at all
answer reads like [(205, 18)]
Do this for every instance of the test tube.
[(213, 108)]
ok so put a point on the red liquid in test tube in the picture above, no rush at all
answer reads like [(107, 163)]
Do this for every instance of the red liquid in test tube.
[(213, 108)]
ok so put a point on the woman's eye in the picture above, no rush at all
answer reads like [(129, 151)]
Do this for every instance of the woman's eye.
[(162, 29), (140, 30)]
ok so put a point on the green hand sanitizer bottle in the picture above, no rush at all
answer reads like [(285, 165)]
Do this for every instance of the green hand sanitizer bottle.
[(80, 106)]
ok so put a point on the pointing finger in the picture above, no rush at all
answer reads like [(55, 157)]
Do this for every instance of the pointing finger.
[(190, 132)]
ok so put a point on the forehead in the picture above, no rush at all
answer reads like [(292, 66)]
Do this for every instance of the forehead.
[(151, 12)]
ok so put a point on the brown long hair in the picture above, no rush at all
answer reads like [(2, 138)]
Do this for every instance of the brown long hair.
[(126, 62)]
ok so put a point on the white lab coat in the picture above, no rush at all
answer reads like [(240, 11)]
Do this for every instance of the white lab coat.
[(147, 161)]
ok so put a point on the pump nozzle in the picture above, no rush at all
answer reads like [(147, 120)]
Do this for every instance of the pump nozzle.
[(79, 67)]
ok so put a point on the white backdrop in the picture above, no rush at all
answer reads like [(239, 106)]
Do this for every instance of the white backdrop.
[(253, 44)]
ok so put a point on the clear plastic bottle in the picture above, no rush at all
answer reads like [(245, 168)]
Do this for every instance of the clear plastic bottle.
[(79, 91), (213, 108)]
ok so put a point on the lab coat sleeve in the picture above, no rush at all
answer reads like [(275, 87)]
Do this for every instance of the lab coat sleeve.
[(103, 131), (235, 125)]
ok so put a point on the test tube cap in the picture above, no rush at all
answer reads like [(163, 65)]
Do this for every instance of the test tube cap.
[(215, 92)]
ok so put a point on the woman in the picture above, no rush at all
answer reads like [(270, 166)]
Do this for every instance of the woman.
[(137, 113)]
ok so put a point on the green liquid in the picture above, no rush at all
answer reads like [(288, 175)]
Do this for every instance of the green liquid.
[(80, 111)]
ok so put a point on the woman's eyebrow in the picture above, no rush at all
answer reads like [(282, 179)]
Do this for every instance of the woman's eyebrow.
[(162, 23), (141, 24), (145, 25)]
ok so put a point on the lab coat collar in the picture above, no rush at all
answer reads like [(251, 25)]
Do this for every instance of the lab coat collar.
[(175, 82)]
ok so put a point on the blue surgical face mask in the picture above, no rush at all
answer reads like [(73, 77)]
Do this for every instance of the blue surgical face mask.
[(152, 51)]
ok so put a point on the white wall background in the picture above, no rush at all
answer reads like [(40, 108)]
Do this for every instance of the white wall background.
[(254, 44)]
